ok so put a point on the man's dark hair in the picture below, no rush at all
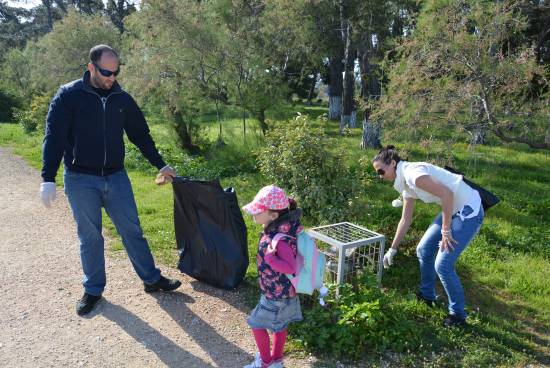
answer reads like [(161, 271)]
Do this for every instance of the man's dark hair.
[(97, 51)]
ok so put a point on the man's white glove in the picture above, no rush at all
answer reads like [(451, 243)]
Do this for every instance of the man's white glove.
[(47, 193), (388, 257), (165, 175)]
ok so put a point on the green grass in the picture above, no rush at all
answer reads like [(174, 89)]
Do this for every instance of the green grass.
[(23, 145), (505, 270)]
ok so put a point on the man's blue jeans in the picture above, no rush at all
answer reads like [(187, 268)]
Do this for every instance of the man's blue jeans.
[(87, 194), (434, 261)]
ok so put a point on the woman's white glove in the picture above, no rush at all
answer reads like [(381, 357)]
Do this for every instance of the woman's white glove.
[(47, 193), (388, 257), (323, 292), (397, 202)]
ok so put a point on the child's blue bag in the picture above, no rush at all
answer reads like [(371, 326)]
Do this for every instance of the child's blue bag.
[(310, 263)]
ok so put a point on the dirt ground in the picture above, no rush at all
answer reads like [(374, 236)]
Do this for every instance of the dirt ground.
[(40, 281)]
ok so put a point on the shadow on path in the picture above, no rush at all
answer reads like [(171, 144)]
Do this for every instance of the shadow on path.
[(242, 298), (222, 351), (168, 352)]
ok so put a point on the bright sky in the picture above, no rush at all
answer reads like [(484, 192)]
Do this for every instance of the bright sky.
[(23, 3), (32, 3), (27, 3)]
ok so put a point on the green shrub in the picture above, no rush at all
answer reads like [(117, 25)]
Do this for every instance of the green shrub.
[(235, 162), (33, 118), (298, 158), (360, 319)]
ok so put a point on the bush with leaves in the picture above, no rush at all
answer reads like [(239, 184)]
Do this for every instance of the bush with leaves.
[(33, 118), (360, 319), (230, 161), (297, 158)]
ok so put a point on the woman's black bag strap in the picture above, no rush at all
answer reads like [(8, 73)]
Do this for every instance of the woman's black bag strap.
[(488, 199)]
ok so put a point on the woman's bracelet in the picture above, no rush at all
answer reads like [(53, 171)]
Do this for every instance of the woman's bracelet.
[(446, 232)]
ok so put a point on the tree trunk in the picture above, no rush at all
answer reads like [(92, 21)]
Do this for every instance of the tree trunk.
[(241, 99), (48, 5), (478, 135), (370, 90), (244, 125), (261, 119), (335, 86), (117, 12), (220, 141), (61, 5), (184, 135), (334, 107), (348, 117), (497, 129), (371, 133), (353, 117), (540, 50), (349, 83), (479, 132), (311, 89)]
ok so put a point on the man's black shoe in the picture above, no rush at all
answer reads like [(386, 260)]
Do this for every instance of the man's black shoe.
[(428, 302), (87, 303), (453, 321), (163, 284)]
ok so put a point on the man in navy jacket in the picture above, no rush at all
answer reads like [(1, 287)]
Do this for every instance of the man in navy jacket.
[(85, 126)]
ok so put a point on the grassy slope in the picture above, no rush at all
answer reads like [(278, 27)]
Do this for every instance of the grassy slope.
[(505, 270)]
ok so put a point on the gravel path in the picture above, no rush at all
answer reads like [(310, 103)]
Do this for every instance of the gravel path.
[(40, 275)]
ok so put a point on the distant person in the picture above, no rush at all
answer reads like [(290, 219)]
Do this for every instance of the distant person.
[(448, 235), (85, 125), (279, 305)]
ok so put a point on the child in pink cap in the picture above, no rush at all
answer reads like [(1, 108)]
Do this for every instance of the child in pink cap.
[(279, 305)]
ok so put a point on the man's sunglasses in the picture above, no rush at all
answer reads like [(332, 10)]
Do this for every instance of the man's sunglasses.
[(105, 72)]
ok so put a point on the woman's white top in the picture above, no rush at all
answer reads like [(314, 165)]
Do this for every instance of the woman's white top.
[(463, 194)]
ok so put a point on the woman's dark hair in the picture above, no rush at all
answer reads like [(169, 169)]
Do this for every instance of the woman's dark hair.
[(292, 206), (387, 154), (97, 51)]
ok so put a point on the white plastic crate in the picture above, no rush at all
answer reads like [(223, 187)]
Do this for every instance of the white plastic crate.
[(349, 249)]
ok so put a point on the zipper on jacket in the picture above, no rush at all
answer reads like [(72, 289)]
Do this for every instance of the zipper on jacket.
[(104, 102), (104, 105)]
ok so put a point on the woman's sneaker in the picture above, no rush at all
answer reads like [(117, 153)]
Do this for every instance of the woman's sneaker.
[(453, 321), (428, 302)]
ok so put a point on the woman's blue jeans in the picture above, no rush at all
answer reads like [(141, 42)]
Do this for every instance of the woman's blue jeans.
[(434, 261), (87, 194)]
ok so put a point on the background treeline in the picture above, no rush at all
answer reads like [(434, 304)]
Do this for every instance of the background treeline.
[(457, 70)]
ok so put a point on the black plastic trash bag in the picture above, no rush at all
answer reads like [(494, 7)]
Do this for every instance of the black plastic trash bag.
[(210, 232)]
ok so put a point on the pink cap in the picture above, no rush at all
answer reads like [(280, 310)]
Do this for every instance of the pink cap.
[(268, 198)]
